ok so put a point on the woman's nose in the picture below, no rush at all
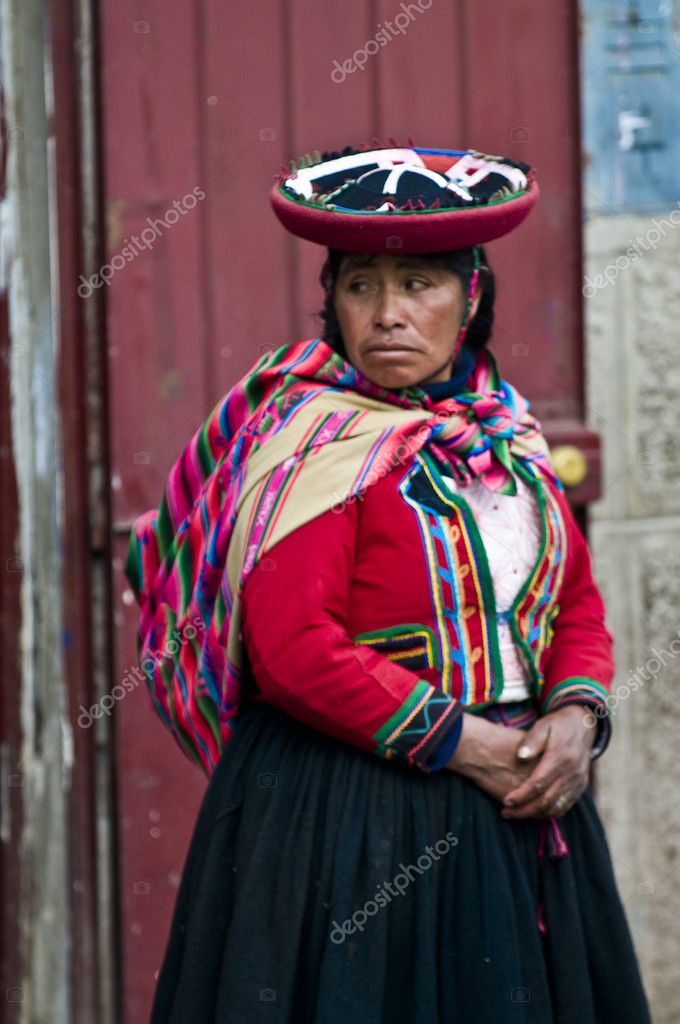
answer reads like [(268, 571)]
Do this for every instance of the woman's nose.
[(388, 310)]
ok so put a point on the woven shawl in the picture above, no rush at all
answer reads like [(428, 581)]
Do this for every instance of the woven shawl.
[(303, 431)]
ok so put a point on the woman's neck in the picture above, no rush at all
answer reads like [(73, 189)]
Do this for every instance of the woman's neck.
[(460, 371)]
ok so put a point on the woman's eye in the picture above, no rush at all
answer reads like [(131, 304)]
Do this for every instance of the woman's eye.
[(361, 285)]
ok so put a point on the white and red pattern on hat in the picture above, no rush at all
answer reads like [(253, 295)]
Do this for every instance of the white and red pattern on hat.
[(412, 199)]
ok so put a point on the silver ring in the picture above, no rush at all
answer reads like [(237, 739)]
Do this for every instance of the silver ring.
[(561, 802)]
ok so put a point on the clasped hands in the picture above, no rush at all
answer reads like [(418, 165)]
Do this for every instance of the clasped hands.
[(535, 773)]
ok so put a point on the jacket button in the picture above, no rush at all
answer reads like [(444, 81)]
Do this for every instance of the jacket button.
[(476, 655), (469, 610)]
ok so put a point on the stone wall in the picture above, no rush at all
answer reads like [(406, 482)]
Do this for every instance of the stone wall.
[(632, 304)]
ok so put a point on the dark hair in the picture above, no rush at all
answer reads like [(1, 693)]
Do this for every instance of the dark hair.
[(456, 261)]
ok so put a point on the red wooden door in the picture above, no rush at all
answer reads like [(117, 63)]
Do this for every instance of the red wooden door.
[(212, 97)]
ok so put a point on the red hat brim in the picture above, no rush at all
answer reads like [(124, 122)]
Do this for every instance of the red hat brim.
[(406, 231)]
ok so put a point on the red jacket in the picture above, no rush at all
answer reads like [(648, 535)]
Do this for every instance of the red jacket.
[(376, 622)]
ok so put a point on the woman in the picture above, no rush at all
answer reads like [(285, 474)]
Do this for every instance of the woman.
[(402, 671)]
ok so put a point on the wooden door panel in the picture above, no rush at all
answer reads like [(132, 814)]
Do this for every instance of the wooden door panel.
[(158, 794), (217, 96), (523, 100)]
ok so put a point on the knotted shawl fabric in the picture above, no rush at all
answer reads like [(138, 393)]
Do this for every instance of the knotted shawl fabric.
[(303, 431)]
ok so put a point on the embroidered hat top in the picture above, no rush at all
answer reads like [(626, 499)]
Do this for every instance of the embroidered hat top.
[(404, 199)]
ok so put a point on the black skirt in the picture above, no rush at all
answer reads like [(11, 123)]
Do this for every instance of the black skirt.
[(325, 885)]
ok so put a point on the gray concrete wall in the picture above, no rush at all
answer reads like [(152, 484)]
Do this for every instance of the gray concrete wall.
[(632, 303)]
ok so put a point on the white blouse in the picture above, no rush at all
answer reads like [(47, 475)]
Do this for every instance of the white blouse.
[(511, 530)]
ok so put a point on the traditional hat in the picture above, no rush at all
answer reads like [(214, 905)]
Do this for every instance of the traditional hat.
[(403, 198)]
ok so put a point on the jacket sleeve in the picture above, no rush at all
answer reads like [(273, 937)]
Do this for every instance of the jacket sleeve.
[(304, 661), (579, 665)]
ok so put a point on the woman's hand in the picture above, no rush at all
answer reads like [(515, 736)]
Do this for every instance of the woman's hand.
[(487, 753), (557, 763), (562, 741)]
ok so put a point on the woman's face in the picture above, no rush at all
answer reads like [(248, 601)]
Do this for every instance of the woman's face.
[(399, 317)]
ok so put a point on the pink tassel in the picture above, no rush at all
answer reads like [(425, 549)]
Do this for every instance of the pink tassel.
[(549, 837), (557, 842)]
